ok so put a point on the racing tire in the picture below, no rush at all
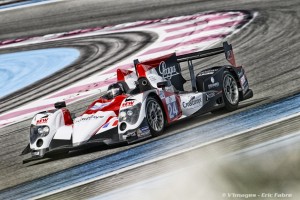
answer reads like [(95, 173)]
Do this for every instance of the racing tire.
[(155, 116), (230, 92)]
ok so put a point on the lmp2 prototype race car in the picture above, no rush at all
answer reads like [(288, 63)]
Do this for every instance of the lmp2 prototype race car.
[(141, 103)]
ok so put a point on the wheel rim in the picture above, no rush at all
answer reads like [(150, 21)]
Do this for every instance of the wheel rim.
[(230, 89), (155, 115)]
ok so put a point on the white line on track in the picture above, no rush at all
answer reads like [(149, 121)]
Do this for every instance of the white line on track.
[(28, 5)]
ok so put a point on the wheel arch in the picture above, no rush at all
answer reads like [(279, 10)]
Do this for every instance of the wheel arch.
[(156, 96), (218, 74), (230, 69), (235, 73)]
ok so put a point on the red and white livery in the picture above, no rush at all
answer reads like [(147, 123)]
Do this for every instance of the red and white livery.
[(142, 103)]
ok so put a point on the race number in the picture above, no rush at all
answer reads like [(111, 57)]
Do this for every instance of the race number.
[(172, 106)]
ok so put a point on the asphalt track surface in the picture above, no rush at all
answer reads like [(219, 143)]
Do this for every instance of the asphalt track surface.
[(268, 48)]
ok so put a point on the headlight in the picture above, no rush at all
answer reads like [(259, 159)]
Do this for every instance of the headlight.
[(38, 131), (46, 131), (130, 115), (122, 114), (129, 112)]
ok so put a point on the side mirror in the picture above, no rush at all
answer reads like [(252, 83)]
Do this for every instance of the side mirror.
[(60, 104), (163, 84)]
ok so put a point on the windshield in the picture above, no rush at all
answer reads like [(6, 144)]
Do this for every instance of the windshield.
[(114, 90)]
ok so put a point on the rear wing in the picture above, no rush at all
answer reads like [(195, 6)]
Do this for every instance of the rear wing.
[(227, 49), (168, 66)]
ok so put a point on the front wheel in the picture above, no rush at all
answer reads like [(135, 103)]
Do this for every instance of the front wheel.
[(155, 116), (230, 92)]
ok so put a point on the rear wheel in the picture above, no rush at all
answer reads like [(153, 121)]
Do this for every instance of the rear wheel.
[(155, 116), (230, 92)]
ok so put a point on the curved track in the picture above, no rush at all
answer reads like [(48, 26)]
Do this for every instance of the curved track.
[(268, 48), (97, 52)]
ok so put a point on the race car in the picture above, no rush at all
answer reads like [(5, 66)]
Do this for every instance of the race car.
[(142, 103)]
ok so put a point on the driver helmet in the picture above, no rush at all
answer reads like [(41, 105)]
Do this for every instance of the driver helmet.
[(115, 90)]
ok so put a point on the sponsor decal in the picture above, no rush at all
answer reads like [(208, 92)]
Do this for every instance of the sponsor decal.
[(244, 83), (92, 117), (207, 72), (230, 57), (210, 95), (170, 99), (130, 134), (213, 85), (143, 131), (167, 72), (162, 94), (192, 103), (242, 80), (42, 121), (99, 106), (106, 125), (127, 104), (228, 54)]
